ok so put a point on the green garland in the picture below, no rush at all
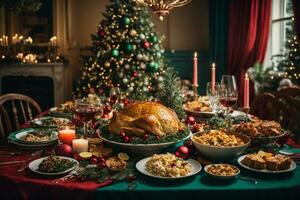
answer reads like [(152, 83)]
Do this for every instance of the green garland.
[(100, 175), (152, 139)]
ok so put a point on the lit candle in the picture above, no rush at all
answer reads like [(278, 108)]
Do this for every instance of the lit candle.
[(246, 91), (66, 135), (195, 74), (80, 145), (213, 78), (1, 42)]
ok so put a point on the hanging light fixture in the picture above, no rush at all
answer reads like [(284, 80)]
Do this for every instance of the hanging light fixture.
[(162, 7)]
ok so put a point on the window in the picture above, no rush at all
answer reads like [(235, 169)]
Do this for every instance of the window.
[(281, 28)]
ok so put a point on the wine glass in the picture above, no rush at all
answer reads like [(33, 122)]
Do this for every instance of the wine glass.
[(212, 92), (228, 94), (85, 111)]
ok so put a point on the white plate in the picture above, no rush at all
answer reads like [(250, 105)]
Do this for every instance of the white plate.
[(221, 177), (31, 146), (39, 121), (34, 165), (291, 168), (24, 133), (141, 167)]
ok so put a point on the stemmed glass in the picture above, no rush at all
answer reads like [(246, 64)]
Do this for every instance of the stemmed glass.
[(85, 111), (228, 95), (212, 92)]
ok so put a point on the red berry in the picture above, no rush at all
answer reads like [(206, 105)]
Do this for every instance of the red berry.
[(157, 137), (125, 101), (105, 116), (190, 120), (126, 139), (76, 156), (122, 134), (146, 137), (94, 160)]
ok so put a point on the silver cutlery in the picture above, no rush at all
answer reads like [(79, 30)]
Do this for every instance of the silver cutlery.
[(249, 180), (12, 162)]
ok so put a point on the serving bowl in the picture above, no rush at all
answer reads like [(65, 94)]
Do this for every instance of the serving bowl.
[(227, 177), (217, 153)]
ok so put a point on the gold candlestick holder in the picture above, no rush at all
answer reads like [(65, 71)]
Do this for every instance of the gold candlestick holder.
[(195, 88), (247, 110)]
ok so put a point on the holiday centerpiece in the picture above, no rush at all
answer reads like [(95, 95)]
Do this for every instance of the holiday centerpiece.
[(144, 127)]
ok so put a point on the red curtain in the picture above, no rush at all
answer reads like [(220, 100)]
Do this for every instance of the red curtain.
[(249, 23), (296, 9)]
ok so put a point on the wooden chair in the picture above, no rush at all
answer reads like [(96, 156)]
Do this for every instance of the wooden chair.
[(267, 106), (16, 109), (293, 92)]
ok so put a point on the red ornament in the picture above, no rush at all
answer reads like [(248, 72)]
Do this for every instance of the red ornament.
[(146, 45), (63, 150), (101, 33), (183, 152), (135, 74), (190, 120)]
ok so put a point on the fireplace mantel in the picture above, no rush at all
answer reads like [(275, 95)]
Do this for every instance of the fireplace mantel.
[(56, 71)]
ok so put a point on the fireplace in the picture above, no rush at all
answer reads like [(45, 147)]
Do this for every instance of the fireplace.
[(40, 88), (44, 82)]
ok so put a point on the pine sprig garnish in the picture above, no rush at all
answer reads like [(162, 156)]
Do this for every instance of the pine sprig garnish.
[(100, 175), (152, 139), (170, 94)]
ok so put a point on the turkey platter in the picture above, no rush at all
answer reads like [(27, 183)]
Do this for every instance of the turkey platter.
[(140, 118)]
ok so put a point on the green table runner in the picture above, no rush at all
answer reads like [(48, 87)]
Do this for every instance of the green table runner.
[(201, 186)]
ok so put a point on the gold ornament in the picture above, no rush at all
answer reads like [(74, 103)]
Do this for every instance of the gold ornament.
[(107, 64), (133, 32)]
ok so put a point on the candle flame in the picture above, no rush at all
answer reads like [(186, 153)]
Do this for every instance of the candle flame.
[(213, 65), (195, 55), (246, 75)]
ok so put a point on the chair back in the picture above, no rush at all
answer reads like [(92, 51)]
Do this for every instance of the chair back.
[(267, 106), (16, 109), (293, 92)]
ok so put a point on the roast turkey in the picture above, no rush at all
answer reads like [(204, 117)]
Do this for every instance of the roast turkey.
[(140, 118)]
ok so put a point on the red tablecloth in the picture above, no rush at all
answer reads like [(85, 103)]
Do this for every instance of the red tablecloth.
[(28, 185)]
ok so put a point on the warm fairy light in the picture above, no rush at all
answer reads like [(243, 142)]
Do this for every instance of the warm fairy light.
[(195, 55)]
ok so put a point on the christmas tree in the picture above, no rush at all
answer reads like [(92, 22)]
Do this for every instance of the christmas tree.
[(293, 60), (127, 53)]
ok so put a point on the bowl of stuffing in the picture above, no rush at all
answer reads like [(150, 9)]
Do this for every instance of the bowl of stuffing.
[(219, 144)]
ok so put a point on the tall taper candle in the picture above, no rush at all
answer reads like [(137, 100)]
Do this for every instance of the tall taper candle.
[(195, 74), (246, 91), (213, 77)]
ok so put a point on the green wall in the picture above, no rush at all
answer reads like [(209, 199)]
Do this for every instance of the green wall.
[(182, 61)]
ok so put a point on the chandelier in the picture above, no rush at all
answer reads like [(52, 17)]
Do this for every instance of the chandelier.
[(163, 7)]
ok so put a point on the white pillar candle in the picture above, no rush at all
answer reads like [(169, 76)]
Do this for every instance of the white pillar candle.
[(80, 145)]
